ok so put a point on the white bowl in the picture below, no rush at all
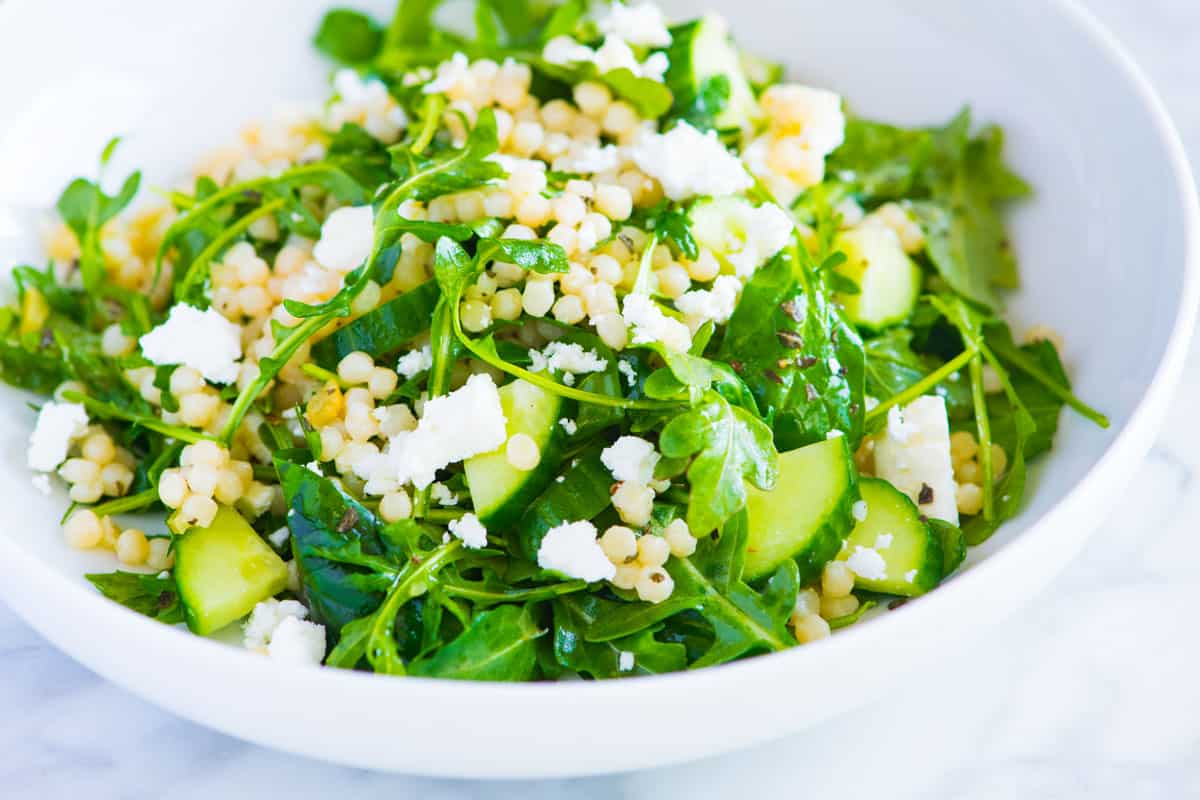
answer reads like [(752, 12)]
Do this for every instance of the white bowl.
[(1108, 251)]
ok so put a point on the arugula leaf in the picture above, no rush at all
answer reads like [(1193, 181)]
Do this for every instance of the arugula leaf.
[(150, 595), (801, 359), (881, 162), (583, 493), (412, 23), (349, 37), (651, 98), (892, 366), (574, 615), (86, 209), (728, 446), (361, 156), (500, 645), (1040, 403)]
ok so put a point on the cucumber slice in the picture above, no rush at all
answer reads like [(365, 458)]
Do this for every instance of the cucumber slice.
[(499, 490), (701, 50), (808, 512), (888, 280), (223, 571), (912, 557)]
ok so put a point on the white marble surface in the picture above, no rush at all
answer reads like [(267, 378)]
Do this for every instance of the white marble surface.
[(1090, 692)]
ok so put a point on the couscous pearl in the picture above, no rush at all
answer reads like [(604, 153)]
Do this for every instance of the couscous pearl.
[(612, 330), (576, 280), (634, 503), (673, 281), (810, 628), (999, 461), (197, 410), (355, 367), (172, 488), (654, 585), (627, 576), (614, 201), (533, 210), (653, 551), (969, 498), (469, 206), (969, 472), (507, 304), (229, 487), (599, 298), (476, 315), (114, 343), (395, 506), (526, 138), (99, 449), (680, 538), (87, 491), (367, 299), (132, 547), (620, 544), (557, 115), (568, 310), (498, 204), (159, 555), (538, 298), (581, 188), (198, 511), (599, 224), (607, 269), (79, 470), (807, 602), (619, 118), (115, 479), (82, 529), (554, 145), (522, 452), (382, 382), (522, 232), (202, 479), (837, 580), (834, 607), (252, 271), (331, 443), (592, 98), (569, 209), (704, 268), (204, 452), (524, 182), (565, 237), (186, 380)]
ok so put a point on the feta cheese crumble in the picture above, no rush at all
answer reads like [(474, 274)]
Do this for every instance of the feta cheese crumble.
[(859, 510), (755, 234), (260, 626), (640, 24), (203, 340), (414, 362), (673, 158), (298, 641), (41, 482), (279, 537), (910, 576), (450, 73), (630, 458), (865, 562), (453, 427), (627, 369), (913, 454), (440, 493), (58, 424), (625, 661), (470, 530), (572, 549), (569, 426), (651, 325), (614, 54), (568, 357), (883, 541), (716, 304), (347, 238)]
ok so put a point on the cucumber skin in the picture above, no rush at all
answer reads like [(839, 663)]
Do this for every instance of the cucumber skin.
[(681, 77), (583, 494), (509, 513), (848, 244), (929, 572), (824, 545)]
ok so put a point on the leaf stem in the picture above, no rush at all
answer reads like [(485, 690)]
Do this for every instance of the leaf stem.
[(123, 505), (197, 270), (925, 384), (984, 429), (1027, 365), (109, 411)]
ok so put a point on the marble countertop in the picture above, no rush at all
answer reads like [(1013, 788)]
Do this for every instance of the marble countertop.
[(1090, 692)]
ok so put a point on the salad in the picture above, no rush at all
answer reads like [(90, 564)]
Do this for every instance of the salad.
[(567, 344)]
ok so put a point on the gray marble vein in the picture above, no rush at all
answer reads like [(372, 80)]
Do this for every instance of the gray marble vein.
[(1091, 692)]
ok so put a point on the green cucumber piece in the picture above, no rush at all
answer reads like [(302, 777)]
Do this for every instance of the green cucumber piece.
[(889, 281), (584, 492), (808, 512), (701, 50), (223, 571), (499, 490), (913, 559)]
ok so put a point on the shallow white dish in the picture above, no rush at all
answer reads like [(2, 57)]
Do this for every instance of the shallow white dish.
[(1109, 256)]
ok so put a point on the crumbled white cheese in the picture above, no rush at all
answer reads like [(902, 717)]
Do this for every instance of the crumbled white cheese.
[(865, 562), (279, 537), (347, 238), (716, 304), (627, 369), (41, 482), (625, 661), (859, 510), (453, 427), (572, 549), (569, 426), (450, 73), (414, 362), (58, 424), (440, 493), (651, 325), (883, 541), (640, 24), (297, 641), (569, 357), (537, 361), (689, 163), (266, 618), (898, 429), (910, 576), (202, 340), (913, 454), (470, 530), (614, 54), (589, 159), (630, 458), (744, 234), (834, 434)]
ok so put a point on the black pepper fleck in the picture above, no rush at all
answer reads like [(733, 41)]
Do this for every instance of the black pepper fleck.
[(925, 496), (790, 339), (806, 361), (348, 520), (773, 376)]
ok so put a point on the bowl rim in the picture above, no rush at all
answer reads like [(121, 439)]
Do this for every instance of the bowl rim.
[(1114, 464)]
